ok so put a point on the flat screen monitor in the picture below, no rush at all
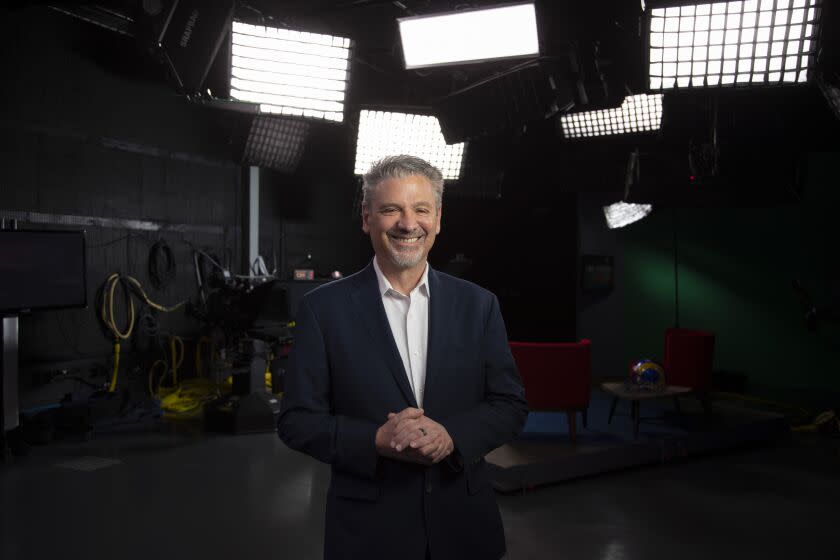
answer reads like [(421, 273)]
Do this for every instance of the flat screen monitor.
[(42, 270)]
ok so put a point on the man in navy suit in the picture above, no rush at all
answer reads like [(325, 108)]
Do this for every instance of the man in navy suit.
[(401, 379)]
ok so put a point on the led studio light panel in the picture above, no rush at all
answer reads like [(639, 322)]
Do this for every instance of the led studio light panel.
[(384, 134), (623, 214), (638, 113), (287, 72), (276, 142), (751, 42), (469, 36)]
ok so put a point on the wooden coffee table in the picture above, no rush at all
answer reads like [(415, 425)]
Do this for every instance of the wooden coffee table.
[(619, 390)]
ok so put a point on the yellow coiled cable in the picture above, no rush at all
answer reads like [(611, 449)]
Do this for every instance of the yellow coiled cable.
[(109, 318), (113, 385)]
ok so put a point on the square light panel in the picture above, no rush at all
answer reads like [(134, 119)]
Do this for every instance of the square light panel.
[(276, 142), (469, 36), (747, 43), (388, 134), (638, 113), (287, 72)]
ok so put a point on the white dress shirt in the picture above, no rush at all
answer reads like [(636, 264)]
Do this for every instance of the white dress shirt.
[(408, 316)]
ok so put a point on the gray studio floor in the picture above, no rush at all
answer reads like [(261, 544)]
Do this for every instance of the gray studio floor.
[(212, 497)]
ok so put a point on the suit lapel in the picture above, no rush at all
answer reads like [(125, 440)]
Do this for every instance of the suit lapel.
[(368, 303), (440, 307)]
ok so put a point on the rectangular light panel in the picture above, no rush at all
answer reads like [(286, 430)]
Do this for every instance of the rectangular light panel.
[(388, 134), (638, 113), (469, 36), (754, 42), (289, 72)]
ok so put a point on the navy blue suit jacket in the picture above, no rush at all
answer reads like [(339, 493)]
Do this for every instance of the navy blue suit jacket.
[(345, 375)]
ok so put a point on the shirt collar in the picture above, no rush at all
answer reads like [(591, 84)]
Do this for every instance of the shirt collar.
[(385, 285)]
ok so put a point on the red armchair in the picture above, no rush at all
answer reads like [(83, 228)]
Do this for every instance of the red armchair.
[(688, 358), (557, 377)]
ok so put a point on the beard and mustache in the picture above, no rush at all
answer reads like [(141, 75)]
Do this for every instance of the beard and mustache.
[(406, 256)]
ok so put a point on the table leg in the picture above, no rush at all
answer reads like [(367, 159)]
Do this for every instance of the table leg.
[(707, 405), (572, 426), (635, 419), (612, 409), (5, 451)]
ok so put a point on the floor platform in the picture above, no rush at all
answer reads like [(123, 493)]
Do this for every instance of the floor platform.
[(543, 454)]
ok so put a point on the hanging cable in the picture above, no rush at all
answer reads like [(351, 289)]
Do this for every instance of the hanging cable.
[(147, 323), (199, 360), (108, 314), (176, 349), (107, 310), (113, 385), (127, 282), (152, 391), (162, 267)]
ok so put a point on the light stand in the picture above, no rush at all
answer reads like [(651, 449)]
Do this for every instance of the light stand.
[(676, 269), (9, 408)]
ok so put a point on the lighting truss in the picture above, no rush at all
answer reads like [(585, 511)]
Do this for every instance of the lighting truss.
[(469, 35), (745, 43), (638, 113), (287, 72), (386, 134), (621, 214)]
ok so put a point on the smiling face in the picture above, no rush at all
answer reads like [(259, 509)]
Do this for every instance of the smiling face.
[(402, 220)]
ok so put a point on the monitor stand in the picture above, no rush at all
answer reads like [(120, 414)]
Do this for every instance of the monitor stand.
[(8, 382)]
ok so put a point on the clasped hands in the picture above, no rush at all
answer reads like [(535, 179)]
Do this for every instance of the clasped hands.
[(411, 436)]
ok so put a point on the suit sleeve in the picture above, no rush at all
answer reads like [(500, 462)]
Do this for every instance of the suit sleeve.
[(306, 422), (501, 416)]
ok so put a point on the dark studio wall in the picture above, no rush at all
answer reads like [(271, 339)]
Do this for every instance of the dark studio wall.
[(531, 244), (600, 315), (736, 269), (522, 249), (90, 129)]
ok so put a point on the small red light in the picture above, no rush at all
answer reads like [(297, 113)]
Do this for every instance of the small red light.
[(691, 178)]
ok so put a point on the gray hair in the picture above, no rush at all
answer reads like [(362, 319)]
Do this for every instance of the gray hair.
[(401, 166)]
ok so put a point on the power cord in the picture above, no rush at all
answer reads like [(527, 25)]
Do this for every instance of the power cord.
[(131, 287), (162, 267)]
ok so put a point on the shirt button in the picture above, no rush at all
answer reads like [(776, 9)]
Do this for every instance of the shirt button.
[(428, 487)]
